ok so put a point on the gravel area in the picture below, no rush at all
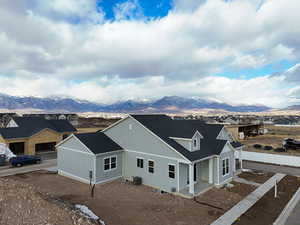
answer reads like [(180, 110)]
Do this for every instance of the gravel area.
[(22, 204), (120, 203)]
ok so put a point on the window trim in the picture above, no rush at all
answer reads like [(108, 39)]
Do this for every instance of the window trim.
[(137, 158), (110, 169), (170, 164), (151, 167), (224, 159)]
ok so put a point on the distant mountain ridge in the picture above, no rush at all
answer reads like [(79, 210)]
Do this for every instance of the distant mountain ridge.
[(165, 104)]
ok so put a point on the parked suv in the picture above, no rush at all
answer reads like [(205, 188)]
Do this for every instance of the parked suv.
[(25, 160), (289, 143)]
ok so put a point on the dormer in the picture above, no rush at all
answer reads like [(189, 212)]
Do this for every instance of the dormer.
[(191, 144), (12, 123), (196, 141)]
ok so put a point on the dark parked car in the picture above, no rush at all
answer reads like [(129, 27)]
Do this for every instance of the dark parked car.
[(25, 160), (289, 143)]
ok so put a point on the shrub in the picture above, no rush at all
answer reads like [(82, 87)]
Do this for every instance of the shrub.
[(257, 146), (267, 147), (279, 150)]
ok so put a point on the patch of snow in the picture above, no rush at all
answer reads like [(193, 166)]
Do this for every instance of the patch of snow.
[(246, 170), (88, 213)]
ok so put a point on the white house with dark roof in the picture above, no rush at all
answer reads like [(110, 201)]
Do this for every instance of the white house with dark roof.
[(180, 156)]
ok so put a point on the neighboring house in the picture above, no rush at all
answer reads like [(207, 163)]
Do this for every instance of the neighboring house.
[(182, 156), (31, 135), (71, 117)]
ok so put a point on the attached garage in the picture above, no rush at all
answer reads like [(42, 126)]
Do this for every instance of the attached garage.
[(89, 157), (45, 147)]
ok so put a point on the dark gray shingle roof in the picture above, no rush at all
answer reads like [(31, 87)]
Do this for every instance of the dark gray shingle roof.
[(236, 144), (98, 142), (28, 126), (165, 127)]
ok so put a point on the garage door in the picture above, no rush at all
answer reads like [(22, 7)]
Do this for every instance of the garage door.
[(45, 147)]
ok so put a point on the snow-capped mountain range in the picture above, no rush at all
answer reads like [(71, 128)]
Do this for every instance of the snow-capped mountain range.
[(166, 104)]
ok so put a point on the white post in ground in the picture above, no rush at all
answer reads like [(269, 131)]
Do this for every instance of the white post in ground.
[(211, 171), (191, 178), (275, 189)]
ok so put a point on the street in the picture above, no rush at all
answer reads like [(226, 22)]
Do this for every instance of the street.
[(294, 171)]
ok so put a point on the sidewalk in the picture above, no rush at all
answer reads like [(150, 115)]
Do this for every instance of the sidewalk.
[(235, 212)]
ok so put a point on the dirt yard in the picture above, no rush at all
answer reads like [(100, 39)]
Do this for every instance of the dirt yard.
[(21, 204), (122, 203), (257, 177), (268, 208), (274, 138), (89, 129)]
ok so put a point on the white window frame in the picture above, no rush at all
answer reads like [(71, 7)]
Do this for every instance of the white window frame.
[(110, 169), (137, 158), (148, 167), (174, 172), (226, 166)]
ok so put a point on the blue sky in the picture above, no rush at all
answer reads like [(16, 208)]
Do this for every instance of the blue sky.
[(151, 8), (237, 51)]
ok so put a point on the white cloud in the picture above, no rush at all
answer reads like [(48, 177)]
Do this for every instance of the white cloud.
[(52, 44), (130, 9)]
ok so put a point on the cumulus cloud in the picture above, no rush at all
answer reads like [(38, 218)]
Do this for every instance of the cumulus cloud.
[(56, 43)]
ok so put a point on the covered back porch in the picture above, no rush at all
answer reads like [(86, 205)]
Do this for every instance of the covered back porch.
[(196, 177)]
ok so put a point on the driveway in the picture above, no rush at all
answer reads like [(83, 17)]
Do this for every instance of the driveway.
[(293, 171), (8, 170)]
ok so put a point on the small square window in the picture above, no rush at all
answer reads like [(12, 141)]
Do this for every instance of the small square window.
[(172, 171), (140, 163), (151, 166), (110, 163), (225, 167)]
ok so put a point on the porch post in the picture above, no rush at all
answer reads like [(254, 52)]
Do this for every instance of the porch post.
[(240, 158), (210, 165), (191, 178)]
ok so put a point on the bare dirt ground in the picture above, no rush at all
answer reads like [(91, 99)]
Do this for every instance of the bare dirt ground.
[(122, 203), (89, 129), (21, 204), (268, 208), (95, 122), (257, 177), (274, 138)]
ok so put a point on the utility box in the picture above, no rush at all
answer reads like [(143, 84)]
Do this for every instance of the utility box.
[(137, 180)]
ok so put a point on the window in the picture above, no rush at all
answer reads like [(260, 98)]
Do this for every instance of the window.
[(130, 126), (151, 166), (140, 163), (110, 163), (225, 166), (195, 143), (172, 171)]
